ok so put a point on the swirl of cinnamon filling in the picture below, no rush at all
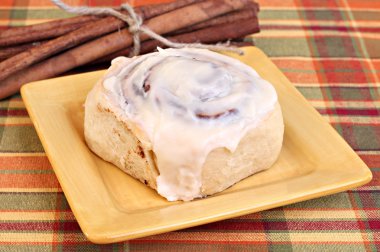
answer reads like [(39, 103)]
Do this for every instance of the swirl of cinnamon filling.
[(182, 104)]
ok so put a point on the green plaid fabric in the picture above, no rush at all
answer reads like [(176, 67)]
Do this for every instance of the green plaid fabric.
[(330, 50)]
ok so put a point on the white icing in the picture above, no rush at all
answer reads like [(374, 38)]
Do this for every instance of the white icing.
[(186, 85)]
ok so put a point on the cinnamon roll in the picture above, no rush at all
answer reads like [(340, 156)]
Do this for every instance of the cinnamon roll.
[(186, 122)]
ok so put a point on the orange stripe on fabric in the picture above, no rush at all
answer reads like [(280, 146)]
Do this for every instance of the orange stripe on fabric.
[(294, 64), (299, 76), (29, 181), (302, 77), (144, 2), (276, 3), (326, 70), (361, 4), (45, 2), (24, 163), (49, 3), (319, 3), (6, 3), (376, 65)]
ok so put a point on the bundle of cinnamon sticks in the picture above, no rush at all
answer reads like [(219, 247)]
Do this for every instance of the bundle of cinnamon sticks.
[(49, 49)]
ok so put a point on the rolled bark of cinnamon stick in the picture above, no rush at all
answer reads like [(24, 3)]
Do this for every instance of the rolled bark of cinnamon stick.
[(149, 46), (220, 32), (85, 33), (249, 11), (113, 42), (25, 30), (7, 52), (38, 32), (153, 10), (206, 35), (108, 44), (48, 68), (40, 35), (56, 28)]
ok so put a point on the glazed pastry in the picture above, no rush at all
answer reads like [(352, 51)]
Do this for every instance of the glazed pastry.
[(186, 122)]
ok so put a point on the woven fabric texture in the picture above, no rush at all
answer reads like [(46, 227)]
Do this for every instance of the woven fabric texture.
[(330, 50)]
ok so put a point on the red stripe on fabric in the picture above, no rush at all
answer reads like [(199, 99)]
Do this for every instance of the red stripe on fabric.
[(346, 111), (334, 65), (365, 99), (25, 163), (258, 226), (357, 206), (208, 241), (344, 71), (374, 224), (327, 209), (13, 112), (371, 160), (182, 241), (374, 182), (73, 243), (350, 124), (320, 225)]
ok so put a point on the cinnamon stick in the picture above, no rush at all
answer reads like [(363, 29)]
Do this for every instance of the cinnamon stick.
[(221, 32), (52, 29), (108, 44), (149, 46), (146, 10), (25, 30), (113, 42), (249, 11), (153, 10), (56, 28), (216, 33), (85, 33), (7, 52), (40, 35)]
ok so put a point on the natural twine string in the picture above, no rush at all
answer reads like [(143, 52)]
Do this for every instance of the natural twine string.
[(136, 26)]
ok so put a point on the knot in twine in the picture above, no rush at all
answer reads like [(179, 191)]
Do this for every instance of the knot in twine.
[(135, 27)]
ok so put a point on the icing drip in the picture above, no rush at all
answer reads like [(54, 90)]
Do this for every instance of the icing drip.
[(183, 103)]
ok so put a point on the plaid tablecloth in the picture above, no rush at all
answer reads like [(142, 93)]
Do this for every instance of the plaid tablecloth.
[(330, 50)]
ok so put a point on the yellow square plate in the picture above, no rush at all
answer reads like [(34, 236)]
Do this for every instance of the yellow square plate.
[(111, 206)]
